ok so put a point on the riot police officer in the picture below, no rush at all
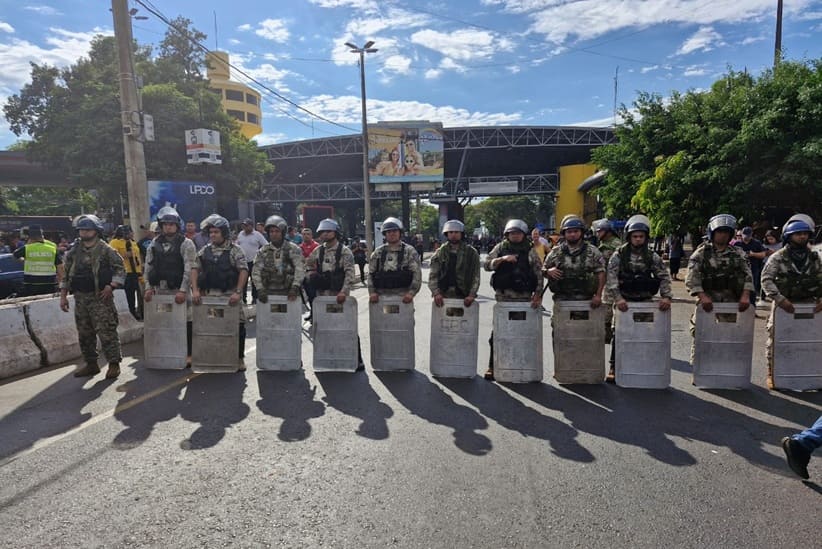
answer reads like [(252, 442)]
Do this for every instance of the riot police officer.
[(455, 267), (517, 273), (793, 274), (607, 242), (394, 268), (636, 273), (221, 270), (575, 269), (718, 271), (279, 267), (169, 260), (93, 271)]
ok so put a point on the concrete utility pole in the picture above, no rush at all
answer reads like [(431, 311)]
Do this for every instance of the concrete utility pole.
[(131, 120), (777, 48)]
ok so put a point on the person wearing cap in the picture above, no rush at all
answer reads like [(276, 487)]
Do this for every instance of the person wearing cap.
[(517, 273), (717, 271), (43, 263), (250, 241), (123, 242), (792, 275), (93, 271), (756, 254), (394, 268), (454, 271)]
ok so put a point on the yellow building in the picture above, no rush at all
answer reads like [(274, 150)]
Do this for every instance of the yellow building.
[(570, 200), (239, 101)]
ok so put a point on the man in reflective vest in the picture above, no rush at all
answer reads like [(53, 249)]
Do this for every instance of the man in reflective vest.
[(43, 264)]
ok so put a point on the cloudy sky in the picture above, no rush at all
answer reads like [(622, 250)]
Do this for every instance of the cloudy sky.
[(460, 62)]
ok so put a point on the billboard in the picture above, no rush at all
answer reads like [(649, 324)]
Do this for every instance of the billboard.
[(406, 152), (203, 146), (193, 200)]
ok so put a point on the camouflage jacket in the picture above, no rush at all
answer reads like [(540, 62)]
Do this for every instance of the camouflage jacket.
[(439, 265), (237, 257), (534, 263), (722, 275), (410, 263), (329, 255), (608, 247), (783, 279), (81, 258), (279, 269), (189, 252), (580, 267), (637, 264)]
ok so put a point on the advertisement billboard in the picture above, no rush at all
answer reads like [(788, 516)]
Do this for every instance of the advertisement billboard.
[(193, 200), (406, 152)]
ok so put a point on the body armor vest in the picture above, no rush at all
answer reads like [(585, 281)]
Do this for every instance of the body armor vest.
[(801, 286), (517, 276), (636, 285), (273, 276), (576, 278), (86, 263), (168, 265), (329, 280), (218, 272), (729, 275), (391, 280)]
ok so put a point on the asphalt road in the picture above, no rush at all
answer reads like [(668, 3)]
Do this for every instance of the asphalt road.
[(265, 459)]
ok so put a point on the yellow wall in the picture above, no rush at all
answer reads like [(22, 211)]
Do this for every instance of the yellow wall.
[(219, 74), (569, 199)]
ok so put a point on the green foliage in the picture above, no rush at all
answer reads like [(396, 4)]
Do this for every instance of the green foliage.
[(497, 210), (747, 146)]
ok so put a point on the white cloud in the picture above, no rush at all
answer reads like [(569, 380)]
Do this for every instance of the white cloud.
[(645, 70), (43, 10), (390, 18), (266, 73), (463, 44), (753, 40), (273, 29), (398, 64), (359, 4), (705, 39), (695, 70), (449, 64), (270, 138), (245, 27), (431, 74), (234, 42), (341, 54), (5, 27)]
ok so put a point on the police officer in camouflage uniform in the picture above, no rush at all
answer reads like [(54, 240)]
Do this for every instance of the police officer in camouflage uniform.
[(169, 260), (93, 271), (517, 273), (394, 268), (608, 242), (718, 271), (454, 271), (331, 269), (279, 267), (221, 270), (793, 274), (636, 273), (575, 269)]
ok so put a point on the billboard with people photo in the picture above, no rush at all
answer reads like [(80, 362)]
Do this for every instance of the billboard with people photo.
[(406, 152)]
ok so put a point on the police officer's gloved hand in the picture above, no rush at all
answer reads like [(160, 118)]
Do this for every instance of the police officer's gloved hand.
[(262, 298)]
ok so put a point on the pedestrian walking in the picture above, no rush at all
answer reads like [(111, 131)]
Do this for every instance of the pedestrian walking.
[(799, 448), (250, 241)]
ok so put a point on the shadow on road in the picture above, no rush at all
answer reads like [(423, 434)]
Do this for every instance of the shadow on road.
[(429, 402), (288, 395), (776, 404), (215, 401), (353, 395), (495, 403)]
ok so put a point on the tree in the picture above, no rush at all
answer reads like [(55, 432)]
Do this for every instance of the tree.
[(497, 210)]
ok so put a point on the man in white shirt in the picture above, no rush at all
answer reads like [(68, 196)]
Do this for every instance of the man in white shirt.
[(250, 241)]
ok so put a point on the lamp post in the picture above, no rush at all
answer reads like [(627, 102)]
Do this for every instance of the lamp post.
[(369, 229)]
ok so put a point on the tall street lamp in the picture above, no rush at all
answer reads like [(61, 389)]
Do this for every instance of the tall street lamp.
[(369, 229)]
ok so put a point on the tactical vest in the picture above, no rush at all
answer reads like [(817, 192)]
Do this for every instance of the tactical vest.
[(218, 272), (636, 285), (273, 276), (448, 276), (82, 273), (802, 286), (576, 278), (514, 276), (729, 275), (391, 280), (168, 266), (329, 280), (40, 258)]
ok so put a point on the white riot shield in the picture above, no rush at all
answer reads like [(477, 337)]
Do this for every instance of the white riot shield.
[(335, 334), (279, 334), (454, 337), (391, 329), (579, 348), (517, 342), (643, 346), (723, 347), (797, 348), (215, 336), (164, 333)]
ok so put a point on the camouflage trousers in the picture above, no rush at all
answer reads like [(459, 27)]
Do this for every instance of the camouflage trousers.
[(94, 318), (609, 320)]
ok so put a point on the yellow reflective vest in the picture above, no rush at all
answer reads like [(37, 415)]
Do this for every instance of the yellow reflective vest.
[(39, 259)]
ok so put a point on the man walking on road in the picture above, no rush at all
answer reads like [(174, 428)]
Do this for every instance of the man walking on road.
[(250, 241), (798, 448)]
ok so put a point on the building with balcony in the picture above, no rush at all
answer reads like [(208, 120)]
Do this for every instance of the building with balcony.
[(239, 101)]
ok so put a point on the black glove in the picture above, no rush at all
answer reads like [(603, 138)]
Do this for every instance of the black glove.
[(262, 298)]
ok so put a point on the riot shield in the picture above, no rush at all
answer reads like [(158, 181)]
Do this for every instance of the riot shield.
[(797, 348), (391, 330), (215, 336), (335, 334), (279, 334), (517, 342), (723, 347), (454, 337), (578, 335), (643, 346), (164, 333)]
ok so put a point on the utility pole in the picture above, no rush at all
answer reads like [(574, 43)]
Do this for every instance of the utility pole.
[(777, 48), (131, 119)]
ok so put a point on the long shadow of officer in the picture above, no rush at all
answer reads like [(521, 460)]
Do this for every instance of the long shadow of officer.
[(354, 396), (289, 395), (215, 402)]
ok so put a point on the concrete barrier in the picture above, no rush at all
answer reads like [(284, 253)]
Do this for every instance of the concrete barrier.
[(53, 330), (129, 329), (18, 353)]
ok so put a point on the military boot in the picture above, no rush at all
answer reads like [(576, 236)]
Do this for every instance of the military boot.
[(113, 370), (90, 369)]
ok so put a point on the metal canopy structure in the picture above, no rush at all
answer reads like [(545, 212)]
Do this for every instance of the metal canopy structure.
[(330, 169)]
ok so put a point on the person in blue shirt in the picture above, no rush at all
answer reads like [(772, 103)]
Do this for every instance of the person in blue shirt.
[(798, 448)]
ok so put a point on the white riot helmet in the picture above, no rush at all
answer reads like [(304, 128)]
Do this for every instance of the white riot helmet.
[(638, 222), (390, 224), (721, 221), (453, 225), (276, 221), (515, 225)]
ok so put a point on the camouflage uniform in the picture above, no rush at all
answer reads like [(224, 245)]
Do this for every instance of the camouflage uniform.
[(722, 275), (636, 263), (410, 262), (783, 279), (509, 294), (93, 316), (279, 270), (608, 246), (439, 264), (189, 252), (329, 266), (238, 261), (579, 267)]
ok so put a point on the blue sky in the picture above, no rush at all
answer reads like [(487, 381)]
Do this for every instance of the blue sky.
[(462, 63)]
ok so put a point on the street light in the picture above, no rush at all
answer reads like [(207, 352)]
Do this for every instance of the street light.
[(369, 229)]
